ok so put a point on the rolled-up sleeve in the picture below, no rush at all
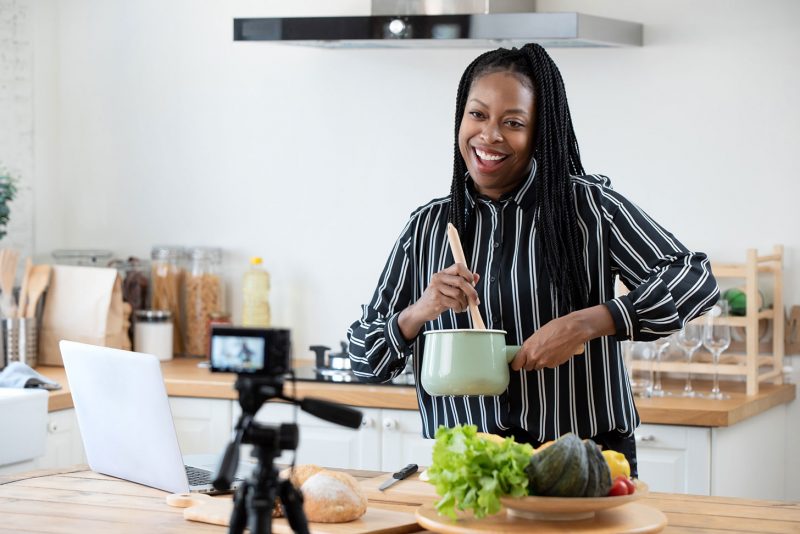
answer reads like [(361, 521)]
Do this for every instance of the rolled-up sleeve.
[(378, 350), (669, 284)]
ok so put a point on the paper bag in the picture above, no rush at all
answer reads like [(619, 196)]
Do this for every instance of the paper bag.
[(83, 304)]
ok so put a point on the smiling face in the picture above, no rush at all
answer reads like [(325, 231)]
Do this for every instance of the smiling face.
[(496, 132)]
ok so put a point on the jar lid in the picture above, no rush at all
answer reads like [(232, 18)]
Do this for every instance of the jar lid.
[(165, 252), (206, 253), (153, 316)]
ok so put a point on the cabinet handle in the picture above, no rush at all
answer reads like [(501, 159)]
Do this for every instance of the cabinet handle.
[(367, 422), (390, 424), (645, 439), (52, 427)]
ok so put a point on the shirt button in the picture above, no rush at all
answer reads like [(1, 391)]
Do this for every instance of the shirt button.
[(496, 244), (492, 279)]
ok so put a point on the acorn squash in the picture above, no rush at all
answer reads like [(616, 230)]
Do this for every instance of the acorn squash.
[(560, 470), (599, 482)]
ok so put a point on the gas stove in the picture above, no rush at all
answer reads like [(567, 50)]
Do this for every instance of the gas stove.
[(315, 374)]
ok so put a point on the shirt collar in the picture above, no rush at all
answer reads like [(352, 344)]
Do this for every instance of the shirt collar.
[(523, 195)]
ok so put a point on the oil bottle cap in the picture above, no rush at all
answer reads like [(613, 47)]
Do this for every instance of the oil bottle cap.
[(255, 260)]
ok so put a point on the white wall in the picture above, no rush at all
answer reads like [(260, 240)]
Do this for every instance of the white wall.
[(153, 126), (16, 118)]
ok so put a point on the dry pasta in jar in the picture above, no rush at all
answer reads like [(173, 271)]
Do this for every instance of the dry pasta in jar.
[(203, 296), (166, 278)]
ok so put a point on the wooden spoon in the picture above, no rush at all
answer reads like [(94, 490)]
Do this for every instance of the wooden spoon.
[(38, 282), (23, 291), (458, 255)]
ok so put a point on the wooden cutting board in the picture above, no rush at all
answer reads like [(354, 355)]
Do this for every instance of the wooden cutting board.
[(626, 519), (409, 491), (217, 511)]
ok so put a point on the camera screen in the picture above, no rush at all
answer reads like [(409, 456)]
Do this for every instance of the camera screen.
[(238, 354), (248, 350)]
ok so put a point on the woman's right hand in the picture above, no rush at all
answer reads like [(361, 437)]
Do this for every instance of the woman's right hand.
[(450, 289)]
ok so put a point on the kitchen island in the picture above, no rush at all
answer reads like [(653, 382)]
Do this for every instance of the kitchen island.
[(75, 500), (684, 445)]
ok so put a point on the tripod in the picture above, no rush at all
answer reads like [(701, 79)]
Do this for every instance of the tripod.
[(255, 498)]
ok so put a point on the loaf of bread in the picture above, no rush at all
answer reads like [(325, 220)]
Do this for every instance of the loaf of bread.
[(332, 497), (297, 476), (328, 496)]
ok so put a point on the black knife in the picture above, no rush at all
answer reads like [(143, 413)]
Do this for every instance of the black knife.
[(405, 472)]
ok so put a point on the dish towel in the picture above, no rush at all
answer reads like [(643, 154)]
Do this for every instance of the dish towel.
[(19, 375)]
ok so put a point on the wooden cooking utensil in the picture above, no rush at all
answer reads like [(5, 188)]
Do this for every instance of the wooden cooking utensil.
[(8, 271), (23, 291), (37, 283), (458, 255)]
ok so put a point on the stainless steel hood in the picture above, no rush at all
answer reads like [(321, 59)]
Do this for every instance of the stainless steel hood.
[(443, 24)]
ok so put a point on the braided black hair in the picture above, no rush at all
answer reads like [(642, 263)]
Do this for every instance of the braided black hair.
[(557, 157)]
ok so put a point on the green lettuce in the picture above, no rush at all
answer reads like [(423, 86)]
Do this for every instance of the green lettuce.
[(471, 473)]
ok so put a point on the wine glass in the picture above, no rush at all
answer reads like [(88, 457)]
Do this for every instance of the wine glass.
[(690, 338), (659, 348), (639, 351), (717, 338)]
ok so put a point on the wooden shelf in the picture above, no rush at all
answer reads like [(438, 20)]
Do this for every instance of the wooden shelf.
[(750, 359)]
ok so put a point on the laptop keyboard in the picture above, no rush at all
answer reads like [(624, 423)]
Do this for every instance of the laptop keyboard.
[(201, 477), (198, 477)]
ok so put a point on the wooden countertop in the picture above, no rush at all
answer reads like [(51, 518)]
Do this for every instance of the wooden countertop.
[(76, 500), (184, 379)]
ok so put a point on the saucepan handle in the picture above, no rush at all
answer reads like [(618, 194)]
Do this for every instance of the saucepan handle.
[(511, 351)]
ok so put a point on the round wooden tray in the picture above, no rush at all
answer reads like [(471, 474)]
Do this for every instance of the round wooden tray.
[(626, 519), (568, 508)]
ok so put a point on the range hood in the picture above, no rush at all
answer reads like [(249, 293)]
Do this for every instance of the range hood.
[(443, 24)]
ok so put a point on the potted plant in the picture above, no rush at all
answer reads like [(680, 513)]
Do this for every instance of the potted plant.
[(8, 190)]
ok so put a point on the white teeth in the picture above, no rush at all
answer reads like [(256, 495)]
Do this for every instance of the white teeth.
[(489, 157)]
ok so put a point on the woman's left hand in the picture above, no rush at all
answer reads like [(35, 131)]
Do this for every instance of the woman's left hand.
[(551, 345), (562, 338)]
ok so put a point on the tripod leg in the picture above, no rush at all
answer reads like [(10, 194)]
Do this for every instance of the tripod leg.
[(239, 513), (292, 501)]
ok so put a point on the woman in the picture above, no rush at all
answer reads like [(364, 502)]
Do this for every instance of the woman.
[(544, 244)]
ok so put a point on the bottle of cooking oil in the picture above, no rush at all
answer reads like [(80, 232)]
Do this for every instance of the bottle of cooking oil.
[(255, 293)]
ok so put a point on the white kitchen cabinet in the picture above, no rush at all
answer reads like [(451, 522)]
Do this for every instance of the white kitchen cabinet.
[(674, 459), (387, 440), (325, 443), (748, 458), (203, 425), (401, 440), (64, 446)]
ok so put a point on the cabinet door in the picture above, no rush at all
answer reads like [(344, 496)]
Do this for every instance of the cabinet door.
[(402, 441), (749, 457), (674, 459), (203, 425), (64, 445), (324, 443)]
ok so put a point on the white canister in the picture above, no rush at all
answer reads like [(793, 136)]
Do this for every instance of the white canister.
[(153, 333)]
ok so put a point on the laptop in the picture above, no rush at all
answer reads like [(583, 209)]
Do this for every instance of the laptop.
[(126, 423)]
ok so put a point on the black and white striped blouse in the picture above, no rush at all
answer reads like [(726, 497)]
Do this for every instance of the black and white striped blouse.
[(589, 394)]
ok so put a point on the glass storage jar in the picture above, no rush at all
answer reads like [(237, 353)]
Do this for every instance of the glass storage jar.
[(166, 275), (202, 296), (153, 333)]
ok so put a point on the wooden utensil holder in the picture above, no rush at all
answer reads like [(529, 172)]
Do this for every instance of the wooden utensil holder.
[(754, 364)]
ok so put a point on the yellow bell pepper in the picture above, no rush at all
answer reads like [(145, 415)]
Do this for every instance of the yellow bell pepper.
[(490, 437), (617, 464)]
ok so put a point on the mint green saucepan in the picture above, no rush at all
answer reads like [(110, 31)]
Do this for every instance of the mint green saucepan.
[(466, 362)]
